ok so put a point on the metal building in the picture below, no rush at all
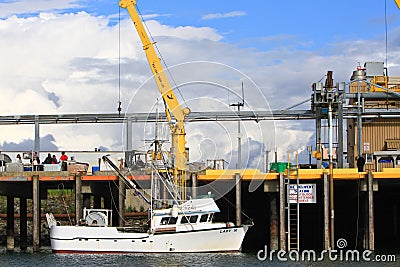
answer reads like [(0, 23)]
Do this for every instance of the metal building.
[(373, 129)]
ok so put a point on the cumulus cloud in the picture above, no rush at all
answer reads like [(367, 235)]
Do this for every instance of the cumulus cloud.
[(68, 63), (184, 32), (9, 8), (224, 15), (46, 142)]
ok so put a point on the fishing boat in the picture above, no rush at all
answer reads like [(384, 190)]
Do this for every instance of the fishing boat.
[(184, 226), (188, 227)]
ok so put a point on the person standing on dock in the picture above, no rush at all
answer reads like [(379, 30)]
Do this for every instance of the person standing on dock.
[(19, 160), (63, 160), (35, 158), (48, 159), (63, 156), (360, 163), (54, 160)]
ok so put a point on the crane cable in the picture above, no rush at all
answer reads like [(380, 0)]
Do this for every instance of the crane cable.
[(386, 37), (119, 61)]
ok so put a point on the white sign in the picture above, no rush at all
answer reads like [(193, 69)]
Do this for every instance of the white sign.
[(307, 193), (366, 147)]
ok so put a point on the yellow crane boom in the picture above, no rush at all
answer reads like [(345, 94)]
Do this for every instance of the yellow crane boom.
[(178, 148)]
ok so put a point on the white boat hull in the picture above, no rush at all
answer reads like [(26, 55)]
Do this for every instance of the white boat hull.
[(80, 239)]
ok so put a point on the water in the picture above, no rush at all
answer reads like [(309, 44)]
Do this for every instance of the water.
[(46, 258)]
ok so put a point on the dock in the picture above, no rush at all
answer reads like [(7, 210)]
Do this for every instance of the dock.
[(362, 199)]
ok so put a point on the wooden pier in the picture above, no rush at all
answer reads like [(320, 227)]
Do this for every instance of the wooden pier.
[(266, 204)]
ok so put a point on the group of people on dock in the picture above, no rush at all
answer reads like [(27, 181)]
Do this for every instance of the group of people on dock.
[(49, 159), (53, 159)]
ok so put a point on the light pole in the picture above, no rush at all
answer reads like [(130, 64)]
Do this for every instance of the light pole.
[(239, 162), (239, 166), (309, 149)]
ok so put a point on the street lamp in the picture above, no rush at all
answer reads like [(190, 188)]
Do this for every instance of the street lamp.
[(309, 149)]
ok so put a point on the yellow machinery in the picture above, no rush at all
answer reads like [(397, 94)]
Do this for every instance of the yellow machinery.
[(178, 148), (391, 83)]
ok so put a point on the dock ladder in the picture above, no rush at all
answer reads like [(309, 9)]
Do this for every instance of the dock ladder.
[(292, 207)]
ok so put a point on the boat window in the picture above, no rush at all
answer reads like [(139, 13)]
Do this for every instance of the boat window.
[(211, 217), (165, 220), (204, 218), (173, 220), (185, 219), (193, 218), (168, 220)]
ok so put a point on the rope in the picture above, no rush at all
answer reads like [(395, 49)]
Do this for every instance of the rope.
[(114, 204)]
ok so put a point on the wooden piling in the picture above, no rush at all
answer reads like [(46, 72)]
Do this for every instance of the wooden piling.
[(327, 236), (10, 223), (23, 224), (86, 200), (371, 219), (238, 199), (194, 185), (282, 199), (273, 223), (121, 201), (78, 198), (36, 212)]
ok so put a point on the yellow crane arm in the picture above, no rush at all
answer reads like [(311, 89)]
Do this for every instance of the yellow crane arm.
[(398, 3), (164, 86)]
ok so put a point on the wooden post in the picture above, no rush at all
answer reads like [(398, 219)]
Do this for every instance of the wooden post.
[(36, 212), (194, 185), (371, 219), (86, 201), (282, 199), (23, 222), (273, 223), (238, 199), (327, 236), (78, 198), (10, 223), (121, 202)]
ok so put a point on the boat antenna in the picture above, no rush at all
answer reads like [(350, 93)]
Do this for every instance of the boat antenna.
[(242, 94), (238, 105)]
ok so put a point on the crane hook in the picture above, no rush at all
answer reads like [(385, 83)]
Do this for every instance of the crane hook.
[(119, 108)]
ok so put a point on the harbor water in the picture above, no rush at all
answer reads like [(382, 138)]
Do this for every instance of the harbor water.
[(46, 258)]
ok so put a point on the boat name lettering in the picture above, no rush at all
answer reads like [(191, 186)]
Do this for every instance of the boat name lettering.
[(187, 207)]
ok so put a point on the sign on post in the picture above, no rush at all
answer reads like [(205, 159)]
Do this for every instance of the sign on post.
[(307, 193)]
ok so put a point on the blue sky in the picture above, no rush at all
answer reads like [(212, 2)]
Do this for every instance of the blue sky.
[(311, 24), (305, 24), (62, 57)]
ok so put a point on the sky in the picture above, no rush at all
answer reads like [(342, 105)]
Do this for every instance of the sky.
[(68, 56)]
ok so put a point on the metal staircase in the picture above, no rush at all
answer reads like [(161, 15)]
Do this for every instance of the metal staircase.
[(292, 211)]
